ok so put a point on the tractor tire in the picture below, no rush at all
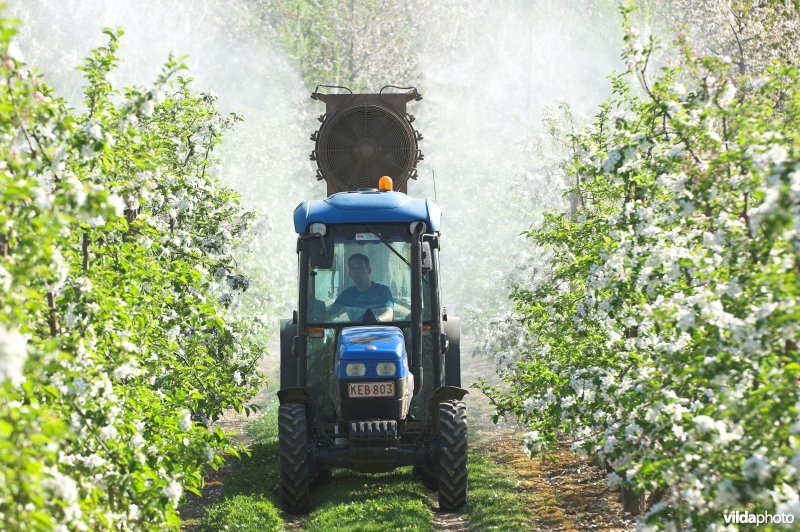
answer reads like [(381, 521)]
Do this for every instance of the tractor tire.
[(292, 444), (452, 455)]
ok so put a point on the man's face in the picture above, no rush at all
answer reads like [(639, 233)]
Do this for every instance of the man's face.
[(359, 272)]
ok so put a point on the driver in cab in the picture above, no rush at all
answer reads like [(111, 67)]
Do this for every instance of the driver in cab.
[(367, 300)]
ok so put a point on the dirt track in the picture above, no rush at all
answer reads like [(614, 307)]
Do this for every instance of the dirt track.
[(570, 494)]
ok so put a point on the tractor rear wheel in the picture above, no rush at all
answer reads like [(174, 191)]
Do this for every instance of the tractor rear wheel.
[(292, 440), (452, 455)]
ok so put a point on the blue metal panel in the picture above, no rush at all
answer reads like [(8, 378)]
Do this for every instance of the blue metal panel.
[(367, 206), (370, 346)]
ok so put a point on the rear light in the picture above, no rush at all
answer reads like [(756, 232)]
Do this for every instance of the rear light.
[(386, 369), (355, 369)]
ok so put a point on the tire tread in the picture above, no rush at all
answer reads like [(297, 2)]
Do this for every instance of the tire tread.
[(452, 455), (292, 446)]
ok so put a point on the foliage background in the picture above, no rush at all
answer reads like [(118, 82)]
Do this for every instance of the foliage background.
[(656, 328), (119, 336), (507, 93)]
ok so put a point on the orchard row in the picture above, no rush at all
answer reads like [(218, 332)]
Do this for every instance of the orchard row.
[(119, 341), (657, 330)]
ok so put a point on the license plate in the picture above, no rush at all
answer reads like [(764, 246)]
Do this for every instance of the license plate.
[(370, 389)]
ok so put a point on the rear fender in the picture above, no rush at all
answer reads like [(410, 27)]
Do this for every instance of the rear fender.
[(452, 358), (298, 395), (442, 394), (448, 393), (294, 395), (289, 360)]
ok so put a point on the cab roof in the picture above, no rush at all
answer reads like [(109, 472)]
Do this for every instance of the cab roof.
[(367, 206)]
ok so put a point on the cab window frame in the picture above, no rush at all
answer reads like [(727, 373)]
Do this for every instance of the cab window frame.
[(339, 277)]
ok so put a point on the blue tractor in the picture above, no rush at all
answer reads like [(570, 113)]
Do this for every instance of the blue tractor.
[(370, 362)]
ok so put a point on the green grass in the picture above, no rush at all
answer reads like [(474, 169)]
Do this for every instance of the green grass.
[(353, 501), (243, 512), (356, 501), (494, 501), (251, 497)]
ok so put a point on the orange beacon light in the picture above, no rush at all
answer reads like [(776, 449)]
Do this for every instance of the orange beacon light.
[(385, 183)]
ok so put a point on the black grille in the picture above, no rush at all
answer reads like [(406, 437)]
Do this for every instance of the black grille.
[(357, 146), (373, 431)]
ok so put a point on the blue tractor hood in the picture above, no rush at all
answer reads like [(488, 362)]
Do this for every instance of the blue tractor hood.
[(371, 345), (367, 206)]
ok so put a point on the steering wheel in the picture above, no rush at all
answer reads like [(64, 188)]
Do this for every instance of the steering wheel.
[(369, 317)]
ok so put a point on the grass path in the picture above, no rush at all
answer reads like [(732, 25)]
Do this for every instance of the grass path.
[(507, 491)]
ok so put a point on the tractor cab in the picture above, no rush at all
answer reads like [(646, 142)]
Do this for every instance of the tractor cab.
[(370, 361)]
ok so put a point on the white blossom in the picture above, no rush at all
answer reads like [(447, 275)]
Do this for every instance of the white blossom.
[(13, 354), (704, 424), (62, 486), (532, 442), (173, 492), (133, 512), (186, 420), (94, 130), (129, 346), (5, 280), (756, 468), (116, 203), (94, 461)]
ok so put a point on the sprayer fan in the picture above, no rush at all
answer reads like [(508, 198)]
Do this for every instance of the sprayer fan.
[(358, 145)]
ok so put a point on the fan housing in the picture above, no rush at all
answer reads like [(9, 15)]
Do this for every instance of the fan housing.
[(364, 137)]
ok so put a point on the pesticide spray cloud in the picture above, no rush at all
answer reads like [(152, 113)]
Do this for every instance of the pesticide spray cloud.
[(489, 71), (265, 159), (485, 100)]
